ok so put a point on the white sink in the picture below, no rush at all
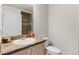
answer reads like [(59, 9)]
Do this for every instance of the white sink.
[(25, 41)]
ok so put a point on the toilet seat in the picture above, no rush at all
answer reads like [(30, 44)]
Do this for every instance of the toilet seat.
[(53, 49)]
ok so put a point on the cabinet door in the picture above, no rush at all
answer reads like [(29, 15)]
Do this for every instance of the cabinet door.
[(38, 49), (29, 51)]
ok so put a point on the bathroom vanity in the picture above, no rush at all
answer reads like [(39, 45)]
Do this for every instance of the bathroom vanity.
[(36, 48)]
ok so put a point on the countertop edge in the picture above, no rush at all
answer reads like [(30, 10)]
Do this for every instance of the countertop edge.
[(7, 53)]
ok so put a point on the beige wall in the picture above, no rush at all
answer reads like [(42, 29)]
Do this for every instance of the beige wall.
[(0, 23), (40, 19), (0, 20), (63, 27)]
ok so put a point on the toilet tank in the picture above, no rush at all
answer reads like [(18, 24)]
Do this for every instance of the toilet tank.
[(47, 41)]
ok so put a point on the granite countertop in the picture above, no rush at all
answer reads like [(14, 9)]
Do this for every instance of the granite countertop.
[(9, 47)]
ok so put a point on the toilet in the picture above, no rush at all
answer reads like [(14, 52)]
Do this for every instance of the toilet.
[(50, 49)]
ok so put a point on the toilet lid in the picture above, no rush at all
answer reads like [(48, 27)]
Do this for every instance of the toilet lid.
[(53, 49)]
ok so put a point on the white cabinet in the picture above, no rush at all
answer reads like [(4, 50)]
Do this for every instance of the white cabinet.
[(11, 21)]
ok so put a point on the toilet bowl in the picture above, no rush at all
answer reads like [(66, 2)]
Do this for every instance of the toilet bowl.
[(50, 49)]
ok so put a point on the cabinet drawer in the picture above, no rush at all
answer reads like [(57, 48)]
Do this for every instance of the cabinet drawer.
[(20, 52)]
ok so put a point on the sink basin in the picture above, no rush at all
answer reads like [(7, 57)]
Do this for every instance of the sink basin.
[(25, 41)]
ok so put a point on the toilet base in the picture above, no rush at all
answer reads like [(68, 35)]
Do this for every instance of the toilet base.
[(51, 54)]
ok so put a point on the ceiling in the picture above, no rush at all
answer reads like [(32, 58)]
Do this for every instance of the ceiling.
[(27, 7)]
